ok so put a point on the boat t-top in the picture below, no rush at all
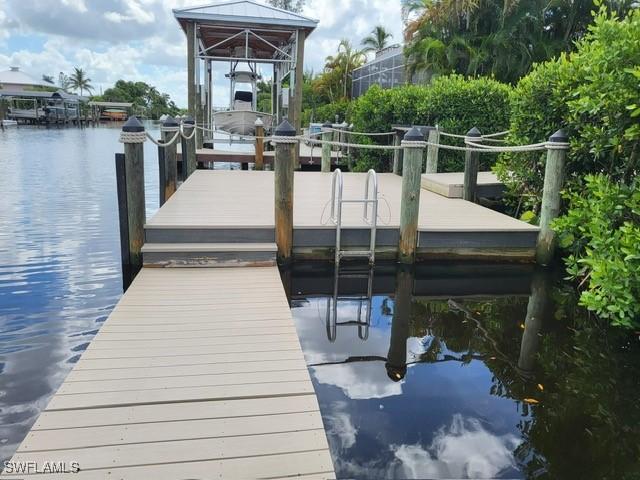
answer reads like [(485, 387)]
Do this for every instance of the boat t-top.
[(243, 112)]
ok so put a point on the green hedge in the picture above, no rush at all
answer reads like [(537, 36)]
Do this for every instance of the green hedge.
[(327, 113), (594, 95), (600, 235), (454, 103)]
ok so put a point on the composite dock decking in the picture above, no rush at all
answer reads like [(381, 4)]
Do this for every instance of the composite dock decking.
[(197, 373), (224, 206), (451, 184)]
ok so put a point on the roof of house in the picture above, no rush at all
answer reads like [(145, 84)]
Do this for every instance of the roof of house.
[(14, 76)]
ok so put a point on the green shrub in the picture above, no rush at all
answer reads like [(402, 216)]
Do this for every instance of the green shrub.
[(592, 93), (453, 102), (600, 235), (327, 113)]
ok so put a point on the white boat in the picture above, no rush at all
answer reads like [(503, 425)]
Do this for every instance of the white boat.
[(9, 123), (242, 114)]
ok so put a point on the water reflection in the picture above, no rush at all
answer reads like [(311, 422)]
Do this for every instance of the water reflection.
[(59, 259), (454, 386)]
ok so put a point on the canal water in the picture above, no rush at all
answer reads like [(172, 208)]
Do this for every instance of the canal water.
[(466, 372), (438, 373)]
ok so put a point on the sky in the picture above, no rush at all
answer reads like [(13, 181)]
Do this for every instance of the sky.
[(140, 40)]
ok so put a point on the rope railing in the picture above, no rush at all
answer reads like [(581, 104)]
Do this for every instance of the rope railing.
[(366, 134)]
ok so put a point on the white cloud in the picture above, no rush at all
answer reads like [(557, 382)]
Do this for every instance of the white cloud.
[(465, 449), (78, 5), (140, 39)]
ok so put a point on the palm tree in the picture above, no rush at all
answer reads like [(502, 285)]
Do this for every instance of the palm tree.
[(377, 40), (343, 63), (78, 80)]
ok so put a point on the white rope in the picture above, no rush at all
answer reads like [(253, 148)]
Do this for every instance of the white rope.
[(413, 144), (352, 145), (187, 137), (557, 145), (367, 134), (497, 134), (515, 148), (164, 144), (132, 137), (283, 139)]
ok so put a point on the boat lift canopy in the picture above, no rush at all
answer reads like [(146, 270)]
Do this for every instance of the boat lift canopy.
[(247, 32)]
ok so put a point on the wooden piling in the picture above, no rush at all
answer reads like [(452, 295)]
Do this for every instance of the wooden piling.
[(326, 148), (553, 179), (189, 164), (413, 144), (134, 194), (169, 177), (471, 165), (284, 166), (397, 154), (432, 150), (259, 145)]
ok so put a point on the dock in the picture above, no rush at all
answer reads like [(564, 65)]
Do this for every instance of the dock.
[(217, 207), (308, 156), (450, 184), (197, 373)]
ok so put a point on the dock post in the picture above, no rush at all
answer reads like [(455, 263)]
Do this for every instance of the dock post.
[(413, 145), (326, 148), (284, 165), (130, 174), (188, 149), (471, 165), (259, 146), (432, 150), (397, 154), (168, 168), (557, 147)]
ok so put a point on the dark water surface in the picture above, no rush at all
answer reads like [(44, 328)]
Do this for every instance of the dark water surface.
[(59, 259), (470, 372)]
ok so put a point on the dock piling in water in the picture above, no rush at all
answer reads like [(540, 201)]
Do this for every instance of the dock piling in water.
[(397, 154), (433, 137), (413, 145), (133, 137), (169, 163), (259, 145), (471, 165), (557, 147), (326, 148), (284, 166), (189, 164)]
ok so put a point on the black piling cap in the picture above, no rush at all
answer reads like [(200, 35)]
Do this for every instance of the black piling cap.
[(559, 137), (414, 135), (170, 122), (188, 120), (327, 125), (133, 125), (474, 132), (425, 129), (285, 129)]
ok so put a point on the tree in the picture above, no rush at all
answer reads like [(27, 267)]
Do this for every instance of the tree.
[(144, 97), (377, 40), (78, 80), (48, 79), (291, 5), (336, 77), (501, 38)]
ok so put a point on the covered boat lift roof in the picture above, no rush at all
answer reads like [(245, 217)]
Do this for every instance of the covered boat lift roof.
[(58, 95), (248, 32)]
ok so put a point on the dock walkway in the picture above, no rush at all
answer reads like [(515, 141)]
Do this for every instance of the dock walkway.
[(238, 206), (197, 373)]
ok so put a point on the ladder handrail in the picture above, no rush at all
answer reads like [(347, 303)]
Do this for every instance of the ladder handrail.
[(370, 187)]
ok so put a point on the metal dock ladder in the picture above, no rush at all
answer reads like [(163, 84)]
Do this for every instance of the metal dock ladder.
[(370, 187), (363, 302)]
